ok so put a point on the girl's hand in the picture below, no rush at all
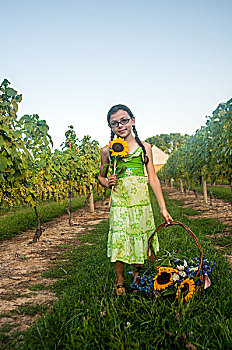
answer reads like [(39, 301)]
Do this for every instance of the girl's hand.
[(167, 217), (113, 180)]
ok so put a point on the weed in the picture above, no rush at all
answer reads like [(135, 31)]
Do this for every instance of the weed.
[(37, 287), (31, 309)]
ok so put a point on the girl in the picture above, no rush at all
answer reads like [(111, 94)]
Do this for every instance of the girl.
[(131, 218)]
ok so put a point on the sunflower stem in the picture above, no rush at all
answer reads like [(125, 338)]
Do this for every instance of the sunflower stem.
[(112, 189)]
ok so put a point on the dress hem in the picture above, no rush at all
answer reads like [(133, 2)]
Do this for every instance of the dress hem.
[(130, 206), (129, 263), (133, 262)]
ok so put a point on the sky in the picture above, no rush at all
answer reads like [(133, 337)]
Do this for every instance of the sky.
[(169, 61)]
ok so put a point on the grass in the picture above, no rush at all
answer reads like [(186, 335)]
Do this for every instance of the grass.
[(31, 309), (224, 242), (218, 191), (37, 287), (88, 315), (188, 211), (24, 219), (222, 192)]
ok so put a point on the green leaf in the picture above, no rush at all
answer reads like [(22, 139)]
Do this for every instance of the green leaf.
[(169, 291), (3, 163), (10, 178), (17, 175), (166, 262), (11, 92), (5, 82), (194, 278), (18, 98), (28, 198), (122, 170), (15, 106)]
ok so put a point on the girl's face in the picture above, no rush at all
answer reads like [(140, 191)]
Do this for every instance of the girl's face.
[(121, 123)]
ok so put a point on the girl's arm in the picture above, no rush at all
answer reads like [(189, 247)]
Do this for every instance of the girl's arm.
[(155, 184), (104, 170)]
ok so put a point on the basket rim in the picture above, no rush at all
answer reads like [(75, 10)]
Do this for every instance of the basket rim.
[(164, 224)]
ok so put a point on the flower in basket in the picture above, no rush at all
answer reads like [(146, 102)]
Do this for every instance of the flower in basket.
[(164, 278), (118, 149), (185, 289), (177, 277)]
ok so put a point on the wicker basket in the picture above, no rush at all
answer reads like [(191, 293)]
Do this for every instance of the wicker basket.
[(151, 254)]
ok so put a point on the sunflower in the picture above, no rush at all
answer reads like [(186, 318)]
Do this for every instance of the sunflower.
[(166, 269), (185, 289), (118, 147), (164, 278)]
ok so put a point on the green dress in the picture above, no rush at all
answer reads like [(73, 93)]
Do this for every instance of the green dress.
[(131, 217)]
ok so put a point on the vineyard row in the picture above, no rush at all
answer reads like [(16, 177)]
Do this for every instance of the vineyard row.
[(30, 171), (206, 156)]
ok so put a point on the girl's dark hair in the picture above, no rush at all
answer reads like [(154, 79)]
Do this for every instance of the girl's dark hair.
[(114, 110)]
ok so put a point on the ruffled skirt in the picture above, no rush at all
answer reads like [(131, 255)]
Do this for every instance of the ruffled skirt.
[(131, 221)]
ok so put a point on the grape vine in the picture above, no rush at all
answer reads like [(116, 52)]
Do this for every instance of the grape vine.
[(206, 155), (30, 172)]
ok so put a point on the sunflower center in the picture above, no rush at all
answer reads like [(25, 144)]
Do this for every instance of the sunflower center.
[(117, 147), (163, 278), (185, 289)]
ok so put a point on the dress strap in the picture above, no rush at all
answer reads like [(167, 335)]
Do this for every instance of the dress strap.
[(136, 153)]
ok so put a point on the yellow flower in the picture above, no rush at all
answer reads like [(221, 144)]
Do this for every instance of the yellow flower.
[(166, 269), (185, 289), (118, 147), (162, 280), (164, 277)]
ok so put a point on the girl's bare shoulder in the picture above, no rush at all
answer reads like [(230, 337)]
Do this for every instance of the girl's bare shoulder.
[(146, 145), (105, 151)]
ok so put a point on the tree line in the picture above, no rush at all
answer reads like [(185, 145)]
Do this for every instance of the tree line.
[(167, 142)]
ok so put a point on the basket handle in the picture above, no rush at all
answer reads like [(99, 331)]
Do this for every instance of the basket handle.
[(163, 224)]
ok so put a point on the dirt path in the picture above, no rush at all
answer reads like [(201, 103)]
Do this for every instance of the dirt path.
[(220, 210), (22, 265)]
